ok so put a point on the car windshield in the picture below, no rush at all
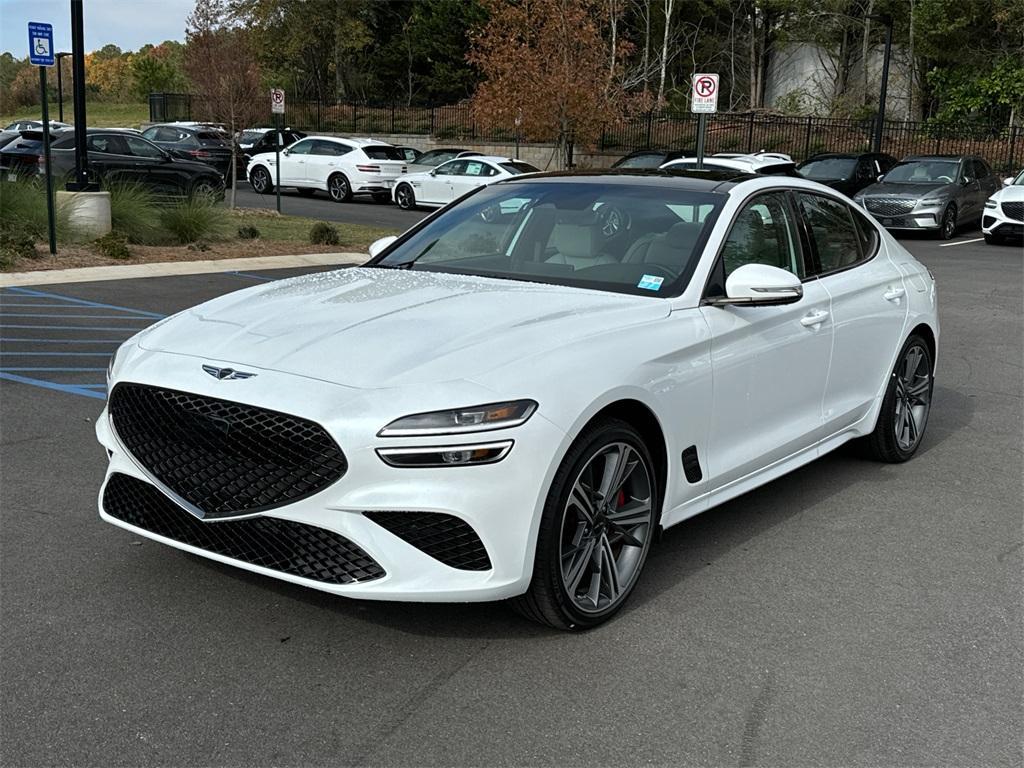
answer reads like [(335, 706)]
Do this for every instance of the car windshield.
[(1019, 181), (249, 137), (626, 238), (828, 168), (384, 153), (924, 172), (518, 167)]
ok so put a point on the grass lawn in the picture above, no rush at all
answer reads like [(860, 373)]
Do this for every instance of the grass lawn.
[(100, 114)]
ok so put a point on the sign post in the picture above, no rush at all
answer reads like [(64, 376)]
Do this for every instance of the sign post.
[(277, 109), (40, 53), (703, 101)]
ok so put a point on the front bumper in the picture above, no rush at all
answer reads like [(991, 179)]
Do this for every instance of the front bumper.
[(995, 222), (501, 502), (927, 219)]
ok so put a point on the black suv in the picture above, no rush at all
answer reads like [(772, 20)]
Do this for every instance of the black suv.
[(848, 172), (202, 143)]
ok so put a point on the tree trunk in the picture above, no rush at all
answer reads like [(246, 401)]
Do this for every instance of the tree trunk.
[(866, 49), (664, 49), (647, 43), (753, 56), (912, 77), (613, 18)]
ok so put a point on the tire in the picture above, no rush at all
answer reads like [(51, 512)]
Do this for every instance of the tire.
[(993, 240), (905, 408), (405, 197), (561, 595), (947, 226), (381, 197), (208, 187), (339, 189), (305, 191), (260, 181)]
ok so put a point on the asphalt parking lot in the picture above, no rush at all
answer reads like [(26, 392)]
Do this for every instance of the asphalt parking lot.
[(361, 209), (850, 613)]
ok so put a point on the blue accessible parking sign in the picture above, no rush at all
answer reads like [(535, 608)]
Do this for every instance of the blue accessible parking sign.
[(40, 44)]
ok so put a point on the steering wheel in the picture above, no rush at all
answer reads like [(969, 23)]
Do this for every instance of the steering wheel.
[(613, 220), (946, 179)]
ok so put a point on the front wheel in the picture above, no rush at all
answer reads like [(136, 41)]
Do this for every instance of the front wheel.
[(208, 188), (405, 197), (260, 181), (947, 227), (906, 405), (596, 529)]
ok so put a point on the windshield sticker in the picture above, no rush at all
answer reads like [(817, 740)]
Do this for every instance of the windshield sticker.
[(650, 282)]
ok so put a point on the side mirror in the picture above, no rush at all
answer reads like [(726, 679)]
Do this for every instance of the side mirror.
[(379, 245), (966, 180), (760, 285), (880, 177)]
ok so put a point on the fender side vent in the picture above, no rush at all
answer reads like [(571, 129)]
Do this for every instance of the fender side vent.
[(691, 465)]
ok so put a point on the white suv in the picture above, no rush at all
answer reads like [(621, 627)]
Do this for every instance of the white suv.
[(340, 167), (763, 163)]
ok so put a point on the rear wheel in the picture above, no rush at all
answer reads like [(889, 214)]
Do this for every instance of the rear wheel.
[(906, 405), (596, 529), (339, 189), (211, 188), (947, 227), (260, 181), (405, 197)]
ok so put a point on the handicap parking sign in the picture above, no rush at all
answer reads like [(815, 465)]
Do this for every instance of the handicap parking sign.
[(40, 44)]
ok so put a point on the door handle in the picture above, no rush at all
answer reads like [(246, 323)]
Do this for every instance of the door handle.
[(894, 294), (814, 319)]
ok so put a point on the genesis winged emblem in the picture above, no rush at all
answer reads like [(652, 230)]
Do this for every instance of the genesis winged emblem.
[(226, 373)]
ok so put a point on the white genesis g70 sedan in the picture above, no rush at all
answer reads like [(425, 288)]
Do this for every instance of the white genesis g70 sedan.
[(511, 398)]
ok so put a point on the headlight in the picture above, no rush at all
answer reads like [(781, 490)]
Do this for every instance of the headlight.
[(446, 456), (991, 204), (110, 368), (929, 202), (476, 418)]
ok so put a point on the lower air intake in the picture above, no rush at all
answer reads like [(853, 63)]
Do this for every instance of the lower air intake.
[(286, 546), (444, 537)]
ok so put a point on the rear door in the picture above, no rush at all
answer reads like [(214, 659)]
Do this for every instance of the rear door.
[(869, 305)]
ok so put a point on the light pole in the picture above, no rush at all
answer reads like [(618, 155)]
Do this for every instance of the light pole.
[(880, 122), (60, 86)]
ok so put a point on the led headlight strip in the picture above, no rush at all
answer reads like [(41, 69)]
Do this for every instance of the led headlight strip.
[(446, 456)]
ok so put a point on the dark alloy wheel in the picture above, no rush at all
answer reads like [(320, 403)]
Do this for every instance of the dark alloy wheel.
[(907, 403), (947, 228), (598, 523), (207, 188), (260, 181), (339, 188), (405, 197)]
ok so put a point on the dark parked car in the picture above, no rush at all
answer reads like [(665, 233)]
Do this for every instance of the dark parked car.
[(123, 156), (253, 141), (205, 144), (847, 172), (651, 158), (20, 156), (934, 193), (430, 160)]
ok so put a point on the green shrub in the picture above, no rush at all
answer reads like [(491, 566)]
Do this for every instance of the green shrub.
[(14, 244), (135, 213), (248, 232), (197, 218), (323, 233), (23, 210), (113, 245)]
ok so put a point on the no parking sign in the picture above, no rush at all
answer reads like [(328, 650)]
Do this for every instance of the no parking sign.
[(277, 101), (704, 93)]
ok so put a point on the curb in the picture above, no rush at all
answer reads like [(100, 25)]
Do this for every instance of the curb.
[(168, 268)]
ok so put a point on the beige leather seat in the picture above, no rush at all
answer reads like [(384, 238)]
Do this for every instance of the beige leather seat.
[(578, 241), (671, 249)]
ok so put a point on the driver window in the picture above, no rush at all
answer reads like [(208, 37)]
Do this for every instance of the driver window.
[(142, 148), (763, 233), (454, 168), (302, 148)]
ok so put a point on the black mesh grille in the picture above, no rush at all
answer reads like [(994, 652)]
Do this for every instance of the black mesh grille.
[(1014, 210), (281, 545), (443, 537), (889, 206), (225, 458)]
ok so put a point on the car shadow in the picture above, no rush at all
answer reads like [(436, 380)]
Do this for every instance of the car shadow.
[(682, 550)]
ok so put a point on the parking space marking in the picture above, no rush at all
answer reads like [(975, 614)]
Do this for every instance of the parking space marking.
[(24, 350), (251, 276), (962, 242)]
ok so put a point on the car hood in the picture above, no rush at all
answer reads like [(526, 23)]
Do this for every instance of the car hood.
[(372, 327), (1013, 193), (908, 190)]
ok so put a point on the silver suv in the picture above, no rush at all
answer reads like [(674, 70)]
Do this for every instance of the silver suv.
[(936, 193)]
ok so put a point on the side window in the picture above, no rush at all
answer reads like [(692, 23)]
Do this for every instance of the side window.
[(867, 233), (328, 148), (477, 169), (98, 144), (142, 148), (151, 134), (453, 168), (763, 232), (831, 225), (302, 148), (981, 170), (866, 169)]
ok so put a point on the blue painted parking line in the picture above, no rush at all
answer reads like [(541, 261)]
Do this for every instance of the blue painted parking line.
[(65, 315), (84, 302), (6, 340), (251, 276), (71, 389), (68, 327), (54, 370), (55, 354)]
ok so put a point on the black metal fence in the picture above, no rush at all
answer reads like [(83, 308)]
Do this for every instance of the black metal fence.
[(800, 137)]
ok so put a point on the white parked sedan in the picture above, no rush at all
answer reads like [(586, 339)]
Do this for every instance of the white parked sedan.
[(340, 167), (511, 406), (455, 178), (1003, 216)]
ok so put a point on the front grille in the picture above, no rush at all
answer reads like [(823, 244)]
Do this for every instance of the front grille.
[(224, 458), (1014, 210), (889, 206), (444, 537), (280, 545)]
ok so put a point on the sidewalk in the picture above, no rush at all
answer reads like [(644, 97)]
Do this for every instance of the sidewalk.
[(163, 269)]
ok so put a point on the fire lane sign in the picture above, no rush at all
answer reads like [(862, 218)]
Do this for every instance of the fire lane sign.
[(704, 93), (277, 101), (40, 44)]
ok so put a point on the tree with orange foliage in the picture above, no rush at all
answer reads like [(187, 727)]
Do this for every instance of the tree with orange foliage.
[(544, 62)]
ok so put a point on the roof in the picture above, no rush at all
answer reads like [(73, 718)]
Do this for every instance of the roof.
[(699, 181), (934, 157)]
